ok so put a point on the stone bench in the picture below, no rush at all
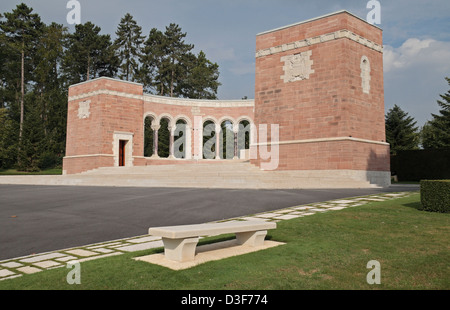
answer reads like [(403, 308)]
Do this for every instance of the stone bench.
[(181, 241)]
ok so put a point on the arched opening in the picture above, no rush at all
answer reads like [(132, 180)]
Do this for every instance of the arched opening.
[(227, 140), (149, 136), (209, 140), (180, 146), (164, 138), (243, 139)]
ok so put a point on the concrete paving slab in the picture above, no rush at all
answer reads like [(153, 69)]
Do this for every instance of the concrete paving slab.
[(81, 252), (44, 257), (141, 246), (6, 273), (207, 253), (47, 264), (29, 269), (11, 265)]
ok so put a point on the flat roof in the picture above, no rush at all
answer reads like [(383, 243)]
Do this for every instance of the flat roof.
[(316, 18)]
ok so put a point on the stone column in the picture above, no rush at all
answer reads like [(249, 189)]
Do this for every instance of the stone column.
[(171, 141), (218, 129), (155, 129), (236, 132), (197, 133), (188, 146)]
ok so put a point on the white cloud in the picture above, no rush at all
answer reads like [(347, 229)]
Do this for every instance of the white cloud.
[(418, 53), (414, 76)]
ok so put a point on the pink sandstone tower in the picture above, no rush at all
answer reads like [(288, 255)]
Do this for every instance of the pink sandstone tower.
[(322, 81)]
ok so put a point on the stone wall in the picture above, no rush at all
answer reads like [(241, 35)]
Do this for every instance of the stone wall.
[(103, 111)]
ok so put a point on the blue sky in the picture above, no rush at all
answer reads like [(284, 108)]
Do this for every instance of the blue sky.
[(415, 32)]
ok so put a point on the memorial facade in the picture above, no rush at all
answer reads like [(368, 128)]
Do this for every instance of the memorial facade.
[(319, 81)]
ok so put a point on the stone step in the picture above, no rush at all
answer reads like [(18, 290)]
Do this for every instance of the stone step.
[(224, 174), (220, 174)]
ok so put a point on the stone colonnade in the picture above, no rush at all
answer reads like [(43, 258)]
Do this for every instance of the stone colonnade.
[(193, 134)]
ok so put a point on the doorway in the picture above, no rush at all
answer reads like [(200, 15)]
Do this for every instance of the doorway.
[(123, 149), (122, 145)]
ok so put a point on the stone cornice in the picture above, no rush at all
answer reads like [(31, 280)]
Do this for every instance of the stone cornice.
[(200, 102), (340, 34), (169, 100), (317, 18)]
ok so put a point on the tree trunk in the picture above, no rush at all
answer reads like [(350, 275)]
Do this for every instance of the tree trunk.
[(171, 84), (22, 90), (88, 66)]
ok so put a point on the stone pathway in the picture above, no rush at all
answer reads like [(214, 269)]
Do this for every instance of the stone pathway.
[(16, 267)]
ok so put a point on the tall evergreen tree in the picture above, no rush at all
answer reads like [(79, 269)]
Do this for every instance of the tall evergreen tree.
[(401, 132), (129, 46), (51, 89), (436, 133), (21, 30), (89, 55), (169, 68), (201, 80), (7, 143), (176, 50), (152, 60)]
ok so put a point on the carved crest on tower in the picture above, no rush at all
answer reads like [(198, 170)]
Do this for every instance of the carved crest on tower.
[(84, 109), (297, 67)]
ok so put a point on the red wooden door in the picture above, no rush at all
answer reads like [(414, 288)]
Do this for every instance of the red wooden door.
[(122, 153)]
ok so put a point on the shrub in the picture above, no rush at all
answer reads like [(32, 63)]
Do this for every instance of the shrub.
[(435, 195), (48, 160), (421, 165)]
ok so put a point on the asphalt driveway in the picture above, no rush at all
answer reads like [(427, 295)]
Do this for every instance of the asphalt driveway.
[(37, 219)]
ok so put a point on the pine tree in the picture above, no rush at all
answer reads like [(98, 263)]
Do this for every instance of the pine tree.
[(129, 45), (176, 50), (401, 132), (202, 78), (89, 54), (7, 145), (21, 30), (170, 68), (152, 59), (50, 90), (436, 133)]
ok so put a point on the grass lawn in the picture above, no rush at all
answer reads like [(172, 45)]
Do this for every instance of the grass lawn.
[(325, 251), (53, 171)]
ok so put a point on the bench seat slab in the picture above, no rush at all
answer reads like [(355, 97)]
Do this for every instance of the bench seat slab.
[(212, 229)]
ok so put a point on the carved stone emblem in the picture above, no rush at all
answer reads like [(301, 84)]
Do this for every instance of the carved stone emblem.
[(83, 109), (297, 67)]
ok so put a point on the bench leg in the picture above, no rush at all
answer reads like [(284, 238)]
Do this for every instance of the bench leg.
[(252, 238), (180, 250)]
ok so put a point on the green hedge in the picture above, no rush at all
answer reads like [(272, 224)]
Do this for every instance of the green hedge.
[(435, 195), (421, 165)]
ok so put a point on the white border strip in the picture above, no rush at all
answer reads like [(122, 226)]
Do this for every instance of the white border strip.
[(321, 140), (340, 34), (90, 155)]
